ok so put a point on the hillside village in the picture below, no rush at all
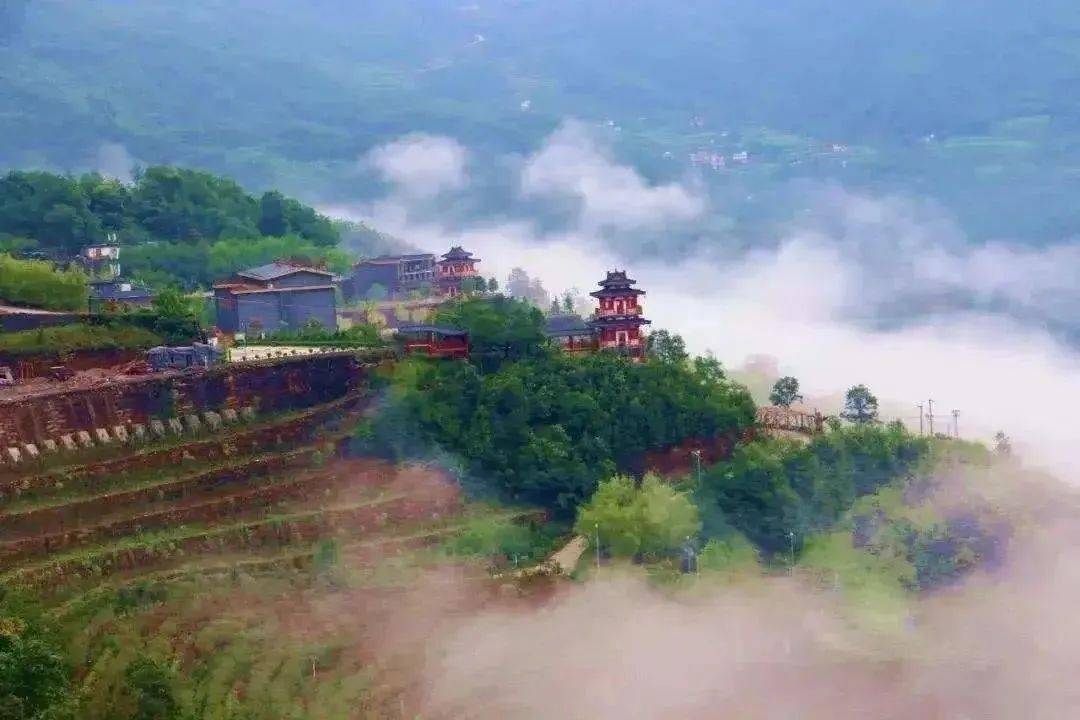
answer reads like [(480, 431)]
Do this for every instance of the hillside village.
[(309, 428)]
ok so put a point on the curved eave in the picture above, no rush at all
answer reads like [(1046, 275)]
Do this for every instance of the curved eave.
[(616, 292), (619, 320)]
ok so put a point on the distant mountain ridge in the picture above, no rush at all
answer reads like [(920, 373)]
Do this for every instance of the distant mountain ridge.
[(974, 103)]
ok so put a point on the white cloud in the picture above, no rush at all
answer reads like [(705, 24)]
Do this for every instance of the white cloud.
[(573, 164), (421, 166), (806, 300)]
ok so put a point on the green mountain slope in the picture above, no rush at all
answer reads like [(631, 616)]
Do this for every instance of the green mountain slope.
[(973, 103)]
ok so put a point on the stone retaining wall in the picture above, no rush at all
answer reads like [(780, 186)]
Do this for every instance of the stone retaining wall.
[(82, 413)]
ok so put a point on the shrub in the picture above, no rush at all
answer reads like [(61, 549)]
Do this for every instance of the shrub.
[(651, 519), (71, 338), (39, 284)]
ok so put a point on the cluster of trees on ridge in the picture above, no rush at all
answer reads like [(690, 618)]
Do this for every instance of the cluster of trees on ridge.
[(177, 226), (539, 426), (547, 428)]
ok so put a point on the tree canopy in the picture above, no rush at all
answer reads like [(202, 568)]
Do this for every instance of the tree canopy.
[(547, 428), (164, 204), (772, 487), (860, 405), (632, 520), (785, 392)]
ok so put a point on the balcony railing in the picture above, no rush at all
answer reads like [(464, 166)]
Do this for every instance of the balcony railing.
[(626, 311)]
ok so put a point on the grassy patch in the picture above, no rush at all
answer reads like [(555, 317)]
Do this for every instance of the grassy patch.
[(39, 284), (71, 338), (502, 539)]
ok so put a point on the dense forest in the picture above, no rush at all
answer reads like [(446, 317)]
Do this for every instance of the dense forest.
[(538, 426), (177, 226)]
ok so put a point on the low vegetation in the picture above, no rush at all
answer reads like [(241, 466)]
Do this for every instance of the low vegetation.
[(78, 337), (39, 284)]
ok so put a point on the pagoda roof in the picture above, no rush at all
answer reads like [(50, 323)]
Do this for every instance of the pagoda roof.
[(457, 254), (617, 278), (395, 259), (280, 269), (616, 292)]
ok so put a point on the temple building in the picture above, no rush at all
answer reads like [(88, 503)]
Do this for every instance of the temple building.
[(570, 332), (455, 267), (618, 320)]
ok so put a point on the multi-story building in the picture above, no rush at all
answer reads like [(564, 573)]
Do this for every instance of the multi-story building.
[(618, 319), (454, 268), (277, 296), (390, 277)]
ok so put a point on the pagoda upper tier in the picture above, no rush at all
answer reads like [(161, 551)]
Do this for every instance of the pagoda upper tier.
[(618, 319), (455, 266)]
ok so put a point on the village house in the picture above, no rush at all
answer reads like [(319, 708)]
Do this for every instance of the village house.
[(390, 277), (118, 295), (277, 296), (100, 261)]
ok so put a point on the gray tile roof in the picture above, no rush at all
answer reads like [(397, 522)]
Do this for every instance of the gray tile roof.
[(275, 270), (564, 325)]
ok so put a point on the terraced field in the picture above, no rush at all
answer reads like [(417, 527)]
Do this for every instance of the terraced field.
[(265, 573)]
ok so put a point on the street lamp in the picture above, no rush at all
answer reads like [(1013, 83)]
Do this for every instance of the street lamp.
[(697, 458)]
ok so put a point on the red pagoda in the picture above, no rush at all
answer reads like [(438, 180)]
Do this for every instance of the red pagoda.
[(454, 267), (617, 323)]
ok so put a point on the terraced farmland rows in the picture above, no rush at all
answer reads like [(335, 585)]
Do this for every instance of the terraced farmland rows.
[(268, 568)]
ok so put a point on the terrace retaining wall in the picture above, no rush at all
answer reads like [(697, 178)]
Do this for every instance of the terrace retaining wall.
[(272, 386)]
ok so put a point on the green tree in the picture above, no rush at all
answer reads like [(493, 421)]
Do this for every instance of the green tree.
[(500, 328), (568, 302), (632, 521), (173, 304), (472, 285), (860, 405), (272, 219), (492, 285), (33, 673), (785, 392), (666, 346), (149, 688)]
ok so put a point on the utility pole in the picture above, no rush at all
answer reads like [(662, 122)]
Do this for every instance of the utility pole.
[(920, 405), (930, 416), (956, 424), (697, 459)]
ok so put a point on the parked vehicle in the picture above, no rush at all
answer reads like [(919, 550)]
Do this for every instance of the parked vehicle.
[(198, 355)]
